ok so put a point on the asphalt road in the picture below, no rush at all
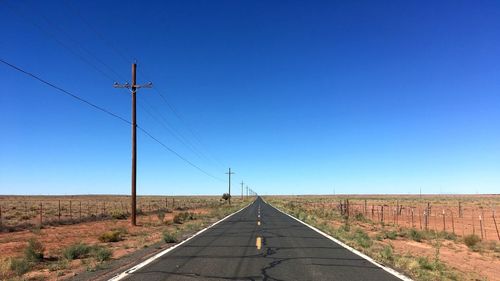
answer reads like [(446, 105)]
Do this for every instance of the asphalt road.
[(289, 250)]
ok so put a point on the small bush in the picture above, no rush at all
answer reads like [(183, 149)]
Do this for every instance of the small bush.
[(387, 253), (226, 196), (390, 234), (119, 216), (362, 239), (34, 251), (471, 240), (101, 254), (182, 217), (169, 237), (61, 264), (76, 251), (20, 266), (449, 235), (161, 216), (415, 235), (111, 236), (359, 217), (425, 263)]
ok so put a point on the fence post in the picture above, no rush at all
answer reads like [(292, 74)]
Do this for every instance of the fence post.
[(80, 210), (444, 222), (412, 221), (347, 207), (494, 220), (452, 222), (473, 225), (484, 223), (41, 214), (481, 226), (365, 208), (166, 203), (426, 220), (382, 215), (419, 217), (460, 211), (59, 210)]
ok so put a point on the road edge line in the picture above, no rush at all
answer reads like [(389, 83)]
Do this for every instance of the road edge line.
[(158, 255), (349, 248)]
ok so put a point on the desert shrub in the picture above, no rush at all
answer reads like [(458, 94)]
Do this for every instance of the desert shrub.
[(20, 266), (101, 253), (390, 234), (119, 215), (431, 265), (362, 238), (111, 236), (169, 237), (60, 264), (76, 251), (226, 196), (448, 235), (415, 235), (34, 251), (182, 217), (359, 217), (387, 253), (4, 268), (471, 240), (161, 216)]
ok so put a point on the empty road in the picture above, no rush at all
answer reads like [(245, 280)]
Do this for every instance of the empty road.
[(270, 247)]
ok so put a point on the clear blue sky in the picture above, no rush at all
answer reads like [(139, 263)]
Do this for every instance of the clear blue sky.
[(295, 96)]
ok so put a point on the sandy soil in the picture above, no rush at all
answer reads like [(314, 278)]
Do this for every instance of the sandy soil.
[(56, 238)]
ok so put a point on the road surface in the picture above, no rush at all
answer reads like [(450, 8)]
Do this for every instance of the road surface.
[(277, 248)]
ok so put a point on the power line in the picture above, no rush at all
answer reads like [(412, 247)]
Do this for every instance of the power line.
[(185, 141), (178, 155), (45, 32), (105, 111), (64, 91)]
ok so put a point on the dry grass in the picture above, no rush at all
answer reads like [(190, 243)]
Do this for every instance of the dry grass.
[(422, 254)]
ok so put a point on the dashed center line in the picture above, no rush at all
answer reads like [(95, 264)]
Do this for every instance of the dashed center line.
[(258, 243)]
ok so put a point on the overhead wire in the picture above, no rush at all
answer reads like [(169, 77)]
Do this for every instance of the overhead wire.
[(163, 98), (68, 93), (172, 130)]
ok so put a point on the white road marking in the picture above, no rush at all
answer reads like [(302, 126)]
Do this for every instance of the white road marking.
[(388, 269), (151, 259)]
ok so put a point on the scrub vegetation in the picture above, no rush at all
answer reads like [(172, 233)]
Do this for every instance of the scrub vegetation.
[(418, 253)]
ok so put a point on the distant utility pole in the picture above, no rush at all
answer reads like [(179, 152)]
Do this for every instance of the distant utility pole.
[(133, 88), (229, 173), (247, 191), (241, 190)]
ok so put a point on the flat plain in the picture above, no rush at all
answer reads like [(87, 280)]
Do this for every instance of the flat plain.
[(428, 237)]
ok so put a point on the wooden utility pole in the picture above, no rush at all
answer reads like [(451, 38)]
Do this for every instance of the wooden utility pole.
[(242, 190), (229, 173), (133, 88)]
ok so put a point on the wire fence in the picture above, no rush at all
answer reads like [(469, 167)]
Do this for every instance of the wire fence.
[(26, 213), (459, 218)]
